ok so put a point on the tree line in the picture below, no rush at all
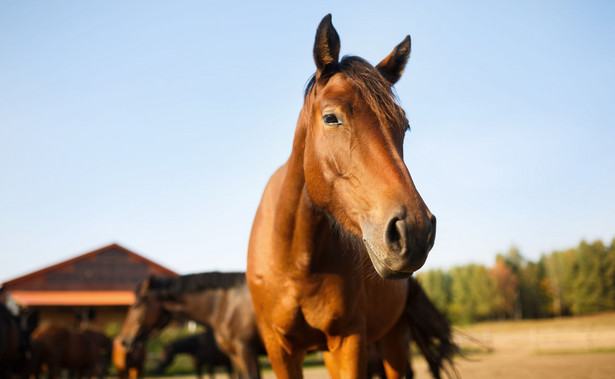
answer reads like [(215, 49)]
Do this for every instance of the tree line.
[(576, 281)]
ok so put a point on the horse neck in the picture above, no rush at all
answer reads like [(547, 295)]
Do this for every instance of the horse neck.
[(200, 306), (297, 218)]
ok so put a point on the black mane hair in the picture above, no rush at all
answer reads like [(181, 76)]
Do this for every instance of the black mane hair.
[(165, 287)]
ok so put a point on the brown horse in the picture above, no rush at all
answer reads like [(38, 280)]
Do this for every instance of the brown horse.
[(129, 365), (102, 345), (219, 301), (58, 347), (343, 199)]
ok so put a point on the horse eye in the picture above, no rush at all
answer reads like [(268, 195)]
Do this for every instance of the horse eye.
[(331, 120)]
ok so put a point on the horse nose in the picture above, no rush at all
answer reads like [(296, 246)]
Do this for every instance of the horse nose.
[(397, 234)]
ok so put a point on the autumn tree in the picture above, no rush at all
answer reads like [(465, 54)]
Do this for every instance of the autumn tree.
[(506, 285)]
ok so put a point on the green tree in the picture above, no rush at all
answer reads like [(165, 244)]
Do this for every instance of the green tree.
[(437, 286), (533, 296), (472, 294), (515, 261), (609, 276), (590, 287), (558, 280)]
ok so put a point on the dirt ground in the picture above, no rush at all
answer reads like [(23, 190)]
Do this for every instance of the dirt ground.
[(507, 365), (562, 348), (566, 348)]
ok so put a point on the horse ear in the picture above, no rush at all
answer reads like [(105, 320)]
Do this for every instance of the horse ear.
[(144, 286), (326, 45), (393, 65)]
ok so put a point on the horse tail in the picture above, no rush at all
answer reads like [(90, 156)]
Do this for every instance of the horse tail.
[(431, 331)]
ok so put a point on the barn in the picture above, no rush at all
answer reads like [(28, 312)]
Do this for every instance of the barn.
[(94, 289)]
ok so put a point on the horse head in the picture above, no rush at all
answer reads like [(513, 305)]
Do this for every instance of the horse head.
[(146, 316), (353, 155)]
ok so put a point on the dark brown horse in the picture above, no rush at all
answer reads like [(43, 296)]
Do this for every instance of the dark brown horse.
[(102, 345), (129, 365), (204, 351), (339, 221), (59, 348), (220, 301)]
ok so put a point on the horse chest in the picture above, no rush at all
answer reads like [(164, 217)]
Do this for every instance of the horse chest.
[(306, 314)]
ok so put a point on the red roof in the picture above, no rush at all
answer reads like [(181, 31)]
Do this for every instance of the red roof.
[(68, 262), (106, 276)]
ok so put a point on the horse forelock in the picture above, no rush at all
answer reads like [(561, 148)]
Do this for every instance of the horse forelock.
[(373, 88)]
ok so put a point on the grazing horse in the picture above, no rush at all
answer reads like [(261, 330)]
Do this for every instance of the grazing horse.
[(340, 221), (129, 365), (219, 301), (59, 347), (203, 349)]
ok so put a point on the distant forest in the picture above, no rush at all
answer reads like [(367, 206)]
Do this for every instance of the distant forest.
[(576, 281)]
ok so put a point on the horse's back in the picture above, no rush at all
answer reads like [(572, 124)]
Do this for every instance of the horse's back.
[(68, 348)]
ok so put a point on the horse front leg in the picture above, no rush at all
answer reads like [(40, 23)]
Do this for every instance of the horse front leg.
[(285, 364), (245, 361), (347, 357), (197, 367), (395, 348)]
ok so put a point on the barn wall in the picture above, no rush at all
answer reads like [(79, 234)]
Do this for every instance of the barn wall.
[(103, 318)]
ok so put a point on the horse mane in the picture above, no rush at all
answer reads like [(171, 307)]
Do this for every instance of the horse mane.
[(165, 287), (375, 90)]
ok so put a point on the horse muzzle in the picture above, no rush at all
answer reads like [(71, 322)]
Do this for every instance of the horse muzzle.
[(130, 344), (400, 245)]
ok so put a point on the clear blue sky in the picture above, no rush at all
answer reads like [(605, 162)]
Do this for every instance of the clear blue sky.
[(156, 124)]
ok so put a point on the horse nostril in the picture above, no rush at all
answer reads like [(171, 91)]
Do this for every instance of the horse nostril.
[(395, 236), (431, 237)]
